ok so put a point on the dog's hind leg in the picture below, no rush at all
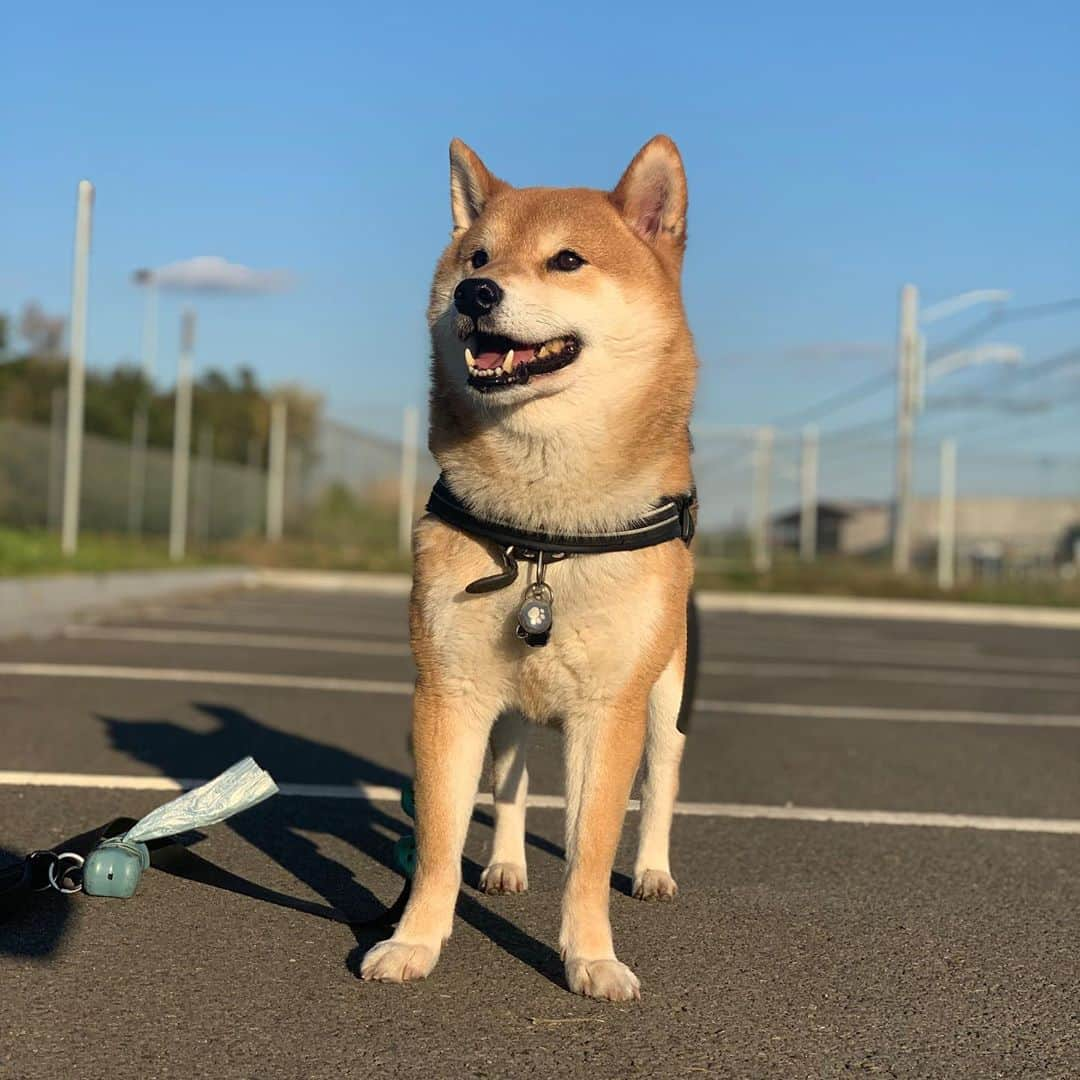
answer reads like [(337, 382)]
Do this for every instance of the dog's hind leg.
[(505, 872), (450, 734), (663, 752), (603, 751)]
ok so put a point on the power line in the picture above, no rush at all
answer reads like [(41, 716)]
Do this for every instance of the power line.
[(883, 379), (866, 388)]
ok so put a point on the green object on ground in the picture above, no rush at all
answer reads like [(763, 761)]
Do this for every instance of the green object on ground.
[(115, 867), (408, 800), (405, 854)]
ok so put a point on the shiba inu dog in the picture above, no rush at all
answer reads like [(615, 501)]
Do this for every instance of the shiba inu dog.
[(562, 382)]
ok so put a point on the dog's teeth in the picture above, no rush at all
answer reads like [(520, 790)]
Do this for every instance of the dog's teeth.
[(508, 362), (470, 363)]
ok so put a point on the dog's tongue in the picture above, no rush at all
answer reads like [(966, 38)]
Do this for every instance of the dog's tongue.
[(486, 360)]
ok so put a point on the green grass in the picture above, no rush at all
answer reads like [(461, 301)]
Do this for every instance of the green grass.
[(33, 551), (344, 540)]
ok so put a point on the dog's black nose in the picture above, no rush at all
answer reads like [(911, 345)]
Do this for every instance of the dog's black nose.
[(477, 296)]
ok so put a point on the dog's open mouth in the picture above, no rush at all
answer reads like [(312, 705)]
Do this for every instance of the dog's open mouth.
[(496, 362)]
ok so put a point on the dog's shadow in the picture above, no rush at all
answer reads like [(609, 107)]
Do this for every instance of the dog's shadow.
[(277, 828)]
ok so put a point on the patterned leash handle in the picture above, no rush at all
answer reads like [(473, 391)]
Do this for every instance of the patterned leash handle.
[(58, 868)]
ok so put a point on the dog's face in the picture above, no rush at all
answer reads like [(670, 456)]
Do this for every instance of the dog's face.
[(546, 300)]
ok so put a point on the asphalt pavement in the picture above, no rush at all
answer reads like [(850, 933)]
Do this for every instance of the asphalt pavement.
[(877, 850)]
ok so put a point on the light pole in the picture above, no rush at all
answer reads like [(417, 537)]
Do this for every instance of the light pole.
[(275, 476), (407, 491), (763, 453), (808, 513), (181, 463), (912, 377), (80, 284)]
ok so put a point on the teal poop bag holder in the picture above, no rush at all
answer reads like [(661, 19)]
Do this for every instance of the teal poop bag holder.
[(115, 866)]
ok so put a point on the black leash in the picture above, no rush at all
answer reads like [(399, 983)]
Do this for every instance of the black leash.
[(53, 868)]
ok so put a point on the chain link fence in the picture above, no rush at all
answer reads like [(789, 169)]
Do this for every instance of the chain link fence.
[(995, 513), (766, 495), (341, 486)]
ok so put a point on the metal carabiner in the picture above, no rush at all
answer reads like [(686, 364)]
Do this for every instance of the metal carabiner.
[(57, 881)]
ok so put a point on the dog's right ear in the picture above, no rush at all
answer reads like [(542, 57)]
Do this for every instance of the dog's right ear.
[(471, 185)]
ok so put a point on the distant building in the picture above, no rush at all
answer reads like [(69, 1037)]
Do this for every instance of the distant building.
[(1040, 529), (844, 526)]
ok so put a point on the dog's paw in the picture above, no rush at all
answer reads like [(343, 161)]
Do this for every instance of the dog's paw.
[(397, 961), (605, 980), (655, 885), (504, 877)]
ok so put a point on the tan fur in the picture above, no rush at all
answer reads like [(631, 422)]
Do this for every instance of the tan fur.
[(580, 449)]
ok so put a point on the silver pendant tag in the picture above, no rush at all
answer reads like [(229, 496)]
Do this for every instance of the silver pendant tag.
[(535, 615)]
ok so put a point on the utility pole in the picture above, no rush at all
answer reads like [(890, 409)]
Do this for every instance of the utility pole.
[(80, 283), (946, 570), (409, 431), (253, 485), (181, 463), (908, 380), (275, 479), (808, 484), (763, 449)]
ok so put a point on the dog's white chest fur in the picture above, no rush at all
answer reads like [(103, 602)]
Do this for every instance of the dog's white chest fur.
[(605, 610)]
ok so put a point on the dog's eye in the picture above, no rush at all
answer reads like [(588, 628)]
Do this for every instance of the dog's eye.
[(566, 261), (478, 259)]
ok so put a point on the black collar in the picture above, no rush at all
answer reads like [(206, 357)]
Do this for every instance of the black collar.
[(673, 517)]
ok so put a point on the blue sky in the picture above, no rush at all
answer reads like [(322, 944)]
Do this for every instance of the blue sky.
[(831, 155)]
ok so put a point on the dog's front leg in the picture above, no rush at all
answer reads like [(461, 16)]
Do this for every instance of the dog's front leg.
[(603, 751), (450, 733), (663, 752), (505, 872)]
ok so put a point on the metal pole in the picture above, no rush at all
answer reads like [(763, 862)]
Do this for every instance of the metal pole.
[(907, 383), (410, 424), (149, 337), (762, 473), (181, 462), (57, 421), (137, 472), (275, 479), (808, 483), (80, 282), (946, 570)]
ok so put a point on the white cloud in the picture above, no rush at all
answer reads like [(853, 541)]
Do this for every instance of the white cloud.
[(212, 273)]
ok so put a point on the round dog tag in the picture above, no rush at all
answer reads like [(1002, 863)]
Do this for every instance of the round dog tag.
[(534, 616)]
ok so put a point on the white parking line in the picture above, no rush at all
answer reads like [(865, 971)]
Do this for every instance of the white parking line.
[(208, 678), (315, 622), (745, 811), (750, 662), (923, 676), (870, 712), (300, 643), (403, 689)]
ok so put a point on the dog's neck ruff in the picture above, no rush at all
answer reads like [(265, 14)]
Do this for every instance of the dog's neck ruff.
[(673, 517)]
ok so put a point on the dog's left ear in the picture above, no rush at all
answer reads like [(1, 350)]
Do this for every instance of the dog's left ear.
[(651, 196)]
